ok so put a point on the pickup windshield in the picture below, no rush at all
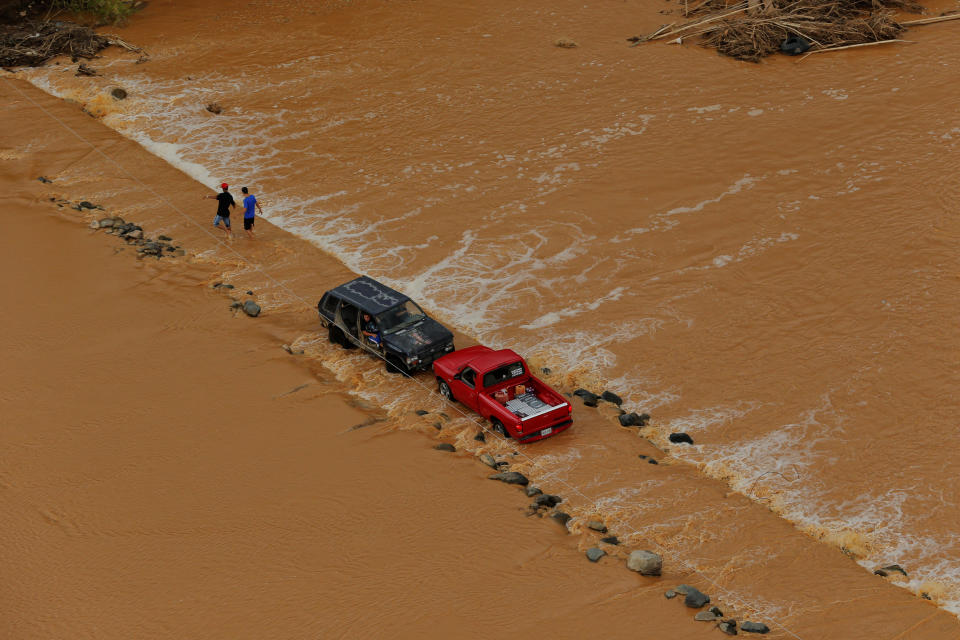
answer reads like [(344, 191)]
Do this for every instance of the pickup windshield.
[(400, 316), (502, 374)]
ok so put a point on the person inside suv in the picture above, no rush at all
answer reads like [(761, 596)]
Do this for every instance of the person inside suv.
[(370, 329)]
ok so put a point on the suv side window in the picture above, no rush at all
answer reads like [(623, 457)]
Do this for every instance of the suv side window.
[(349, 315), (330, 304), (469, 377)]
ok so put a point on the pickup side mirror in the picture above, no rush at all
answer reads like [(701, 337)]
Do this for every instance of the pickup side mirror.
[(456, 376)]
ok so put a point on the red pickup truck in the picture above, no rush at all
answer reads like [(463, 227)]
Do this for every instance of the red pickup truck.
[(498, 385)]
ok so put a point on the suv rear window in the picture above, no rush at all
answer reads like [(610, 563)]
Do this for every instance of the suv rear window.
[(330, 304)]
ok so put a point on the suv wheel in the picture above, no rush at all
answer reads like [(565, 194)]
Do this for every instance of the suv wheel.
[(395, 365), (499, 429), (445, 391)]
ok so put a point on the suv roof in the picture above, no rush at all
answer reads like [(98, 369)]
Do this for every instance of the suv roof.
[(369, 295)]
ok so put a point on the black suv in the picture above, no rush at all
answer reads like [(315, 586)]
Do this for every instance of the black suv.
[(397, 330)]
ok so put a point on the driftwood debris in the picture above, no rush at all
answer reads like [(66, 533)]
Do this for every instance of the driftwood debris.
[(752, 29), (31, 43)]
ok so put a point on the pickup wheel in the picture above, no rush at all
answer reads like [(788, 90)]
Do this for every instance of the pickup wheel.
[(394, 364), (445, 391), (499, 428)]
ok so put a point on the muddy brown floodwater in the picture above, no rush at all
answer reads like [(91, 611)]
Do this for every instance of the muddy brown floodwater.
[(761, 256)]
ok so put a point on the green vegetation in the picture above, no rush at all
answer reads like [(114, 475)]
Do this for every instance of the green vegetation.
[(107, 10)]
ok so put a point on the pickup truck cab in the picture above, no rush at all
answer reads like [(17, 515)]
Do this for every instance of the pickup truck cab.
[(498, 385), (398, 330)]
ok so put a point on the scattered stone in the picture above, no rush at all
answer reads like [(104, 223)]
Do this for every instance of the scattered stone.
[(678, 438), (754, 627), (511, 477), (118, 93), (670, 594), (226, 286), (652, 461), (421, 412), (94, 224), (595, 554), (445, 446), (249, 293), (546, 371), (695, 598), (612, 398), (561, 517), (87, 205), (488, 460), (503, 464), (611, 540), (251, 308), (565, 43), (164, 238), (480, 437), (84, 70), (533, 491), (716, 611), (729, 627), (437, 426), (135, 234), (925, 595), (596, 525), (683, 589), (215, 108), (235, 304), (646, 563), (705, 616), (629, 420), (893, 568), (546, 500), (106, 223), (45, 180), (589, 399)]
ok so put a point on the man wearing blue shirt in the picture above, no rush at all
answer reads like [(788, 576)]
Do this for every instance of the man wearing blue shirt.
[(249, 202)]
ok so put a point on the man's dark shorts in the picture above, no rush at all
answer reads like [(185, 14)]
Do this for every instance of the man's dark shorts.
[(248, 224)]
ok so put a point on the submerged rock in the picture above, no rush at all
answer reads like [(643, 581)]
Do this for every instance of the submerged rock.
[(119, 93), (594, 554), (670, 594), (754, 627), (705, 616), (546, 500), (646, 563), (890, 569), (612, 398), (629, 420), (695, 598), (533, 491), (251, 308), (729, 627), (87, 205), (480, 437), (716, 611), (488, 460), (45, 180), (589, 398), (511, 477), (678, 438), (596, 525), (610, 540), (562, 517), (445, 446)]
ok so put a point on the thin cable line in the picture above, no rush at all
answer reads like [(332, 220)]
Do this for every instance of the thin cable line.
[(472, 418)]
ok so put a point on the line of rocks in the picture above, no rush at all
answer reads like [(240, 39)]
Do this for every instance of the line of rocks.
[(642, 561), (133, 234)]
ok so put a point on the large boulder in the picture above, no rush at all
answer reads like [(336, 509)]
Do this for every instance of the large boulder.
[(546, 500), (646, 563), (629, 420), (678, 438), (511, 477)]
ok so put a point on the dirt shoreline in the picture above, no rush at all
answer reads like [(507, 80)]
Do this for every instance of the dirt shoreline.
[(435, 489)]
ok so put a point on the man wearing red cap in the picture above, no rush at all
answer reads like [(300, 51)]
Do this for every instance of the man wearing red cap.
[(224, 202)]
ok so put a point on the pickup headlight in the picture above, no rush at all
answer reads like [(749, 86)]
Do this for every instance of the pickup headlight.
[(412, 360), (449, 347)]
